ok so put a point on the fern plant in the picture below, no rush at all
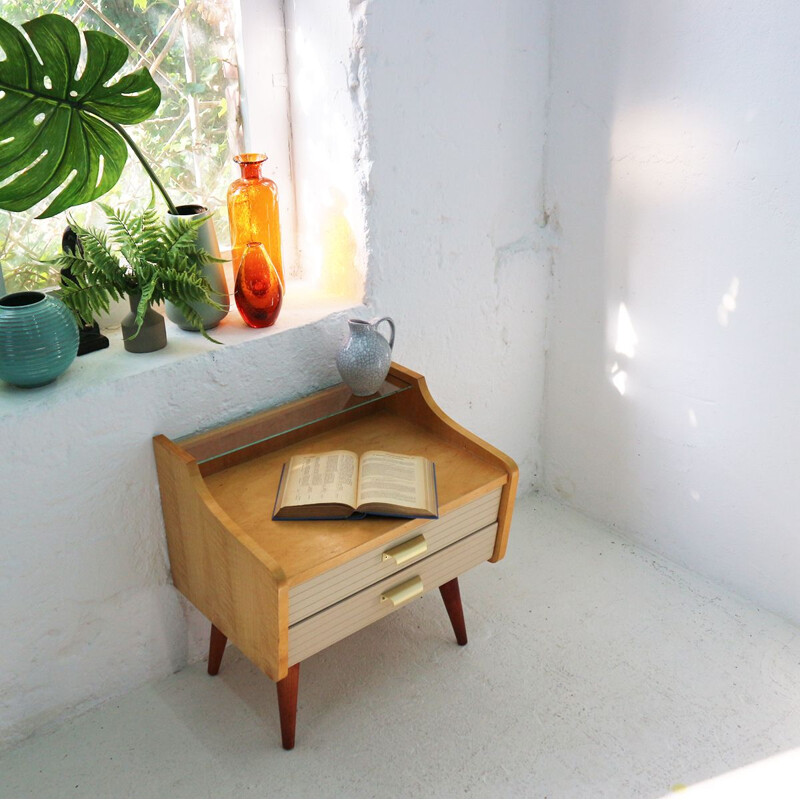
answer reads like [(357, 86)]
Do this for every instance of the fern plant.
[(139, 254)]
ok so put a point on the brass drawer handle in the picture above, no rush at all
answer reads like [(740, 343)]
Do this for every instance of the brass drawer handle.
[(403, 593), (407, 550)]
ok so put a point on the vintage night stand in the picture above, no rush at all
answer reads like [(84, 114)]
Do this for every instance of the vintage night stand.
[(282, 591)]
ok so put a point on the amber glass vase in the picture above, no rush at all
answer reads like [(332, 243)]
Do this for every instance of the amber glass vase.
[(259, 288), (253, 211)]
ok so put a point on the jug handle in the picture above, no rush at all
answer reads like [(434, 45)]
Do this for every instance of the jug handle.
[(391, 325)]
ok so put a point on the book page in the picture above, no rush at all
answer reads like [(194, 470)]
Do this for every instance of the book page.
[(322, 478), (391, 479)]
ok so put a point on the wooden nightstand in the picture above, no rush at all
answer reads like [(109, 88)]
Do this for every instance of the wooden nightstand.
[(282, 591)]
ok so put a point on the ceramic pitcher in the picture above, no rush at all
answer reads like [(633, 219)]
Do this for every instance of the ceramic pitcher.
[(365, 358)]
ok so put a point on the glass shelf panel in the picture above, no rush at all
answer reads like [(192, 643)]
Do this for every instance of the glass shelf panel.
[(263, 426)]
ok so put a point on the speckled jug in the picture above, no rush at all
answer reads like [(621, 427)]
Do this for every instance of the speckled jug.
[(365, 358)]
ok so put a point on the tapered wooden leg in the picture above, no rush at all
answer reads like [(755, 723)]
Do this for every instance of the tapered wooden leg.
[(287, 705), (216, 648), (452, 602)]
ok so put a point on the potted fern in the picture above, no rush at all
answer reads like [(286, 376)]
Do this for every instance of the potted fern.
[(146, 259)]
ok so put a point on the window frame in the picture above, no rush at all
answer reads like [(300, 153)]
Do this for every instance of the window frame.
[(265, 101)]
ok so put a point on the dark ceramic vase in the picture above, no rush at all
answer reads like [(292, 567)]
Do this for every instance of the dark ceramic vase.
[(153, 333)]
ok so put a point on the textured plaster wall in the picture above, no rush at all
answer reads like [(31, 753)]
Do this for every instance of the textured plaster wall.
[(87, 605), (459, 241), (445, 104), (672, 387)]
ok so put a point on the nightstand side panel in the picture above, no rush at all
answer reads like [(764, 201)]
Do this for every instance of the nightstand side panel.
[(218, 569)]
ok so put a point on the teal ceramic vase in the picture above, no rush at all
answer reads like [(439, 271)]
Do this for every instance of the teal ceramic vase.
[(38, 338), (212, 271)]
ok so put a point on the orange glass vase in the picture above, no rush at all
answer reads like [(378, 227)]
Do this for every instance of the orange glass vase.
[(259, 287), (253, 211)]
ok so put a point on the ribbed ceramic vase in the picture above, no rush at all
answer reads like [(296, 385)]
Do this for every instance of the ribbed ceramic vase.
[(38, 338), (365, 358), (212, 271)]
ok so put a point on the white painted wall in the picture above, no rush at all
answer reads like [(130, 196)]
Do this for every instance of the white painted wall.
[(459, 249), (449, 119), (418, 138), (674, 163)]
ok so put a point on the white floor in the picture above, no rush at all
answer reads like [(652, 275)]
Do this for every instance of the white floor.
[(594, 669)]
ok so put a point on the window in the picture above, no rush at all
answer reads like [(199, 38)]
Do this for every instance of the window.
[(189, 47), (224, 68)]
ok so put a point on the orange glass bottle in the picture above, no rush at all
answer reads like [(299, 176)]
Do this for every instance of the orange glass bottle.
[(259, 288), (253, 211)]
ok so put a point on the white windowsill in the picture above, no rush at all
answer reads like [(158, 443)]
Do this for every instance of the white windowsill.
[(302, 306)]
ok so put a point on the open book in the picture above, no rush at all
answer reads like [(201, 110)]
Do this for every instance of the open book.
[(339, 484)]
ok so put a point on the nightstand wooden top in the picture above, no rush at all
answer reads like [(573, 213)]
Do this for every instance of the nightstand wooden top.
[(246, 491)]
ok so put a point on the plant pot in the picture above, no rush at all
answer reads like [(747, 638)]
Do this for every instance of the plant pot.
[(153, 333), (212, 271), (90, 337), (38, 338)]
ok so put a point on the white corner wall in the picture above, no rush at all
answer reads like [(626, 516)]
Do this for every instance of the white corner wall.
[(448, 113), (674, 369), (459, 246)]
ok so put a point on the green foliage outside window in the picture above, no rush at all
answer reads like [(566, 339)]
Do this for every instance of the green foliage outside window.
[(188, 46)]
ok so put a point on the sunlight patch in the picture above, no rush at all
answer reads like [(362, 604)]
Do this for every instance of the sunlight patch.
[(727, 305), (619, 378), (626, 335), (101, 164)]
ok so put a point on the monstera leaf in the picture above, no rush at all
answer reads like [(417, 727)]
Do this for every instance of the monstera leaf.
[(59, 128)]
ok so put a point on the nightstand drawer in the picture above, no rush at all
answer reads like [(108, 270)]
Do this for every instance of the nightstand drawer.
[(365, 607), (330, 587)]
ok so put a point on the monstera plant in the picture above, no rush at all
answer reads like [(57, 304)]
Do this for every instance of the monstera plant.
[(61, 124)]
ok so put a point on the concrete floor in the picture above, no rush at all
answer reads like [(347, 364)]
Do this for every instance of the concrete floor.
[(594, 669)]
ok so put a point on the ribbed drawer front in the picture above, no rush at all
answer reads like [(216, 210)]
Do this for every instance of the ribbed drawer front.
[(330, 587), (332, 624)]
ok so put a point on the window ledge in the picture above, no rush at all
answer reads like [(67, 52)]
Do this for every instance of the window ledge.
[(305, 306)]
